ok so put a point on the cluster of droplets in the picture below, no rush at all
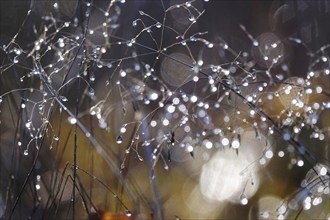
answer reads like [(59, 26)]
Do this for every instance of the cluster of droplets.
[(314, 191)]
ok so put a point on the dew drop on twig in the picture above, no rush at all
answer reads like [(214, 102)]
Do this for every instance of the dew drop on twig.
[(235, 143), (92, 77), (15, 59), (91, 92), (243, 200), (56, 138), (40, 108), (28, 124), (102, 123), (128, 213), (63, 98), (72, 120), (119, 139)]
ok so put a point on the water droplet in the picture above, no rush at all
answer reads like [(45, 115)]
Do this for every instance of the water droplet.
[(269, 154), (193, 99), (55, 5), (40, 107), (323, 171), (300, 163), (123, 73), (158, 25), (15, 60), (123, 130), (102, 123), (26, 152), (56, 138), (91, 92), (134, 23), (166, 122), (99, 64), (192, 18), (28, 124), (255, 43), (17, 51), (210, 45), (235, 144), (63, 98), (61, 44), (225, 141), (243, 200), (208, 144), (153, 96), (72, 120), (119, 139), (92, 77), (37, 186), (282, 209), (297, 40), (171, 109), (128, 213), (281, 154), (189, 148)]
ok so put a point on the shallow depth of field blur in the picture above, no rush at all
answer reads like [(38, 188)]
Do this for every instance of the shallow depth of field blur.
[(164, 109)]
